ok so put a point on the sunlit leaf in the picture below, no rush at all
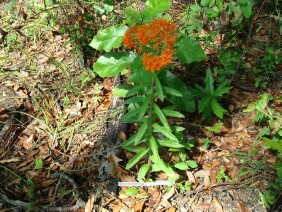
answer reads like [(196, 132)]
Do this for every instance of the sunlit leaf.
[(137, 157), (111, 64), (109, 38), (143, 171), (154, 8)]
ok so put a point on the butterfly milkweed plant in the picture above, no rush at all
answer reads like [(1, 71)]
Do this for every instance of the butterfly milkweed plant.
[(151, 41)]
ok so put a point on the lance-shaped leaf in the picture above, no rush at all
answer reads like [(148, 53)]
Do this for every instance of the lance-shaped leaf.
[(109, 38), (164, 131), (137, 158), (110, 64)]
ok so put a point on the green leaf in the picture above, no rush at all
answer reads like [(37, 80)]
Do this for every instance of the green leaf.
[(135, 99), (111, 64), (263, 132), (204, 104), (145, 106), (159, 88), (172, 92), (120, 92), (217, 109), (109, 38), (188, 50), (164, 131), (38, 164), (154, 8), (160, 165), (219, 5), (181, 165), (137, 158), (143, 171), (141, 132), (215, 128), (135, 89), (206, 143), (172, 113), (246, 7), (10, 6), (169, 143), (131, 191), (161, 116), (209, 81), (154, 148), (272, 144), (205, 2), (132, 17), (186, 102), (192, 164)]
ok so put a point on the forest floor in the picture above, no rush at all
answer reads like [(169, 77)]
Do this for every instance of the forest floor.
[(60, 130)]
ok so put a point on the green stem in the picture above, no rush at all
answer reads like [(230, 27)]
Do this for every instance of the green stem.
[(151, 120)]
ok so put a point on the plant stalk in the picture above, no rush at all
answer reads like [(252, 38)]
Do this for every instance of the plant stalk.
[(151, 120)]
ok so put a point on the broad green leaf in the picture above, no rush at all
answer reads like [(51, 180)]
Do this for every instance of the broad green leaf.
[(189, 50), (132, 17), (209, 81), (137, 158), (109, 38), (158, 87), (217, 109), (120, 92), (131, 191), (111, 64), (154, 8), (186, 102), (246, 7), (172, 92), (172, 113), (221, 90), (181, 165), (161, 116), (192, 164), (141, 133), (164, 131), (143, 171), (139, 76), (169, 143), (204, 104)]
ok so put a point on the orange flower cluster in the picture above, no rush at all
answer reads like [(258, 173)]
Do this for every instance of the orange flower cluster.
[(155, 41)]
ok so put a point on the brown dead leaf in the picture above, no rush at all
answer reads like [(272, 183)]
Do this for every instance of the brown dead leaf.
[(217, 205), (47, 183), (164, 200), (117, 170), (139, 206), (11, 160), (117, 206), (202, 206), (191, 177), (202, 173), (89, 204), (241, 207), (171, 210), (28, 143), (207, 181)]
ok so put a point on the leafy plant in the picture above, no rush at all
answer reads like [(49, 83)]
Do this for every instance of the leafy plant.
[(153, 41), (209, 97), (221, 176)]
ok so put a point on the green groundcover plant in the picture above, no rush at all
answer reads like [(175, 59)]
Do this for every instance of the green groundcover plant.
[(151, 40)]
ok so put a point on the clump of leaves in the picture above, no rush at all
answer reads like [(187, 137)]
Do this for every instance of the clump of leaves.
[(209, 97)]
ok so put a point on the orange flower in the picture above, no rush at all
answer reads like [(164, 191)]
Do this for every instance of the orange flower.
[(155, 41)]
